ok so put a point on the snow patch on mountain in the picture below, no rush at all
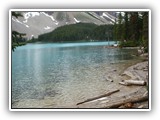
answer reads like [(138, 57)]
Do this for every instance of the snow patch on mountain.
[(28, 15), (104, 14), (25, 21), (48, 16), (51, 17), (122, 13), (47, 28), (56, 23), (27, 26), (111, 22), (16, 20), (31, 14), (94, 14), (34, 14), (77, 21)]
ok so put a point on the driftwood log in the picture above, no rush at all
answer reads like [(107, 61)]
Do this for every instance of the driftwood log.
[(132, 82), (137, 98), (91, 99)]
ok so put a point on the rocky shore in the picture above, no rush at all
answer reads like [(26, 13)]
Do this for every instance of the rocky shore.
[(124, 95)]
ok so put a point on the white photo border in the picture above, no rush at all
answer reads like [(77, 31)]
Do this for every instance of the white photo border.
[(76, 109)]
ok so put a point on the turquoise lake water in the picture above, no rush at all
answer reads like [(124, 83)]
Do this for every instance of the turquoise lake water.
[(60, 74)]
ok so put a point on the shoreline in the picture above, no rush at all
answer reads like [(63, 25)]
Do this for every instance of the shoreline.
[(128, 96)]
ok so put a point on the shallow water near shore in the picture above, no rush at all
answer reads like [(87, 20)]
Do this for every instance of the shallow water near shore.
[(60, 75)]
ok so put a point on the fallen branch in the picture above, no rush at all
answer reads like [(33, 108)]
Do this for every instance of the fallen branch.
[(91, 99), (128, 99), (132, 82)]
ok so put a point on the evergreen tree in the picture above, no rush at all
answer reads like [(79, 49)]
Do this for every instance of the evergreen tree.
[(145, 30), (115, 30), (133, 28), (126, 26), (16, 36), (119, 27)]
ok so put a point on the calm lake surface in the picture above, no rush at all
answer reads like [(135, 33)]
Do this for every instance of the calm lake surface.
[(63, 74)]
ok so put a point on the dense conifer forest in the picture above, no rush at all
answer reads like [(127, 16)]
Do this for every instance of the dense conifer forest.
[(78, 32), (131, 29)]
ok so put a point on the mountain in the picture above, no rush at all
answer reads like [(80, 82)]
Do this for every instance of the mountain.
[(36, 23)]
